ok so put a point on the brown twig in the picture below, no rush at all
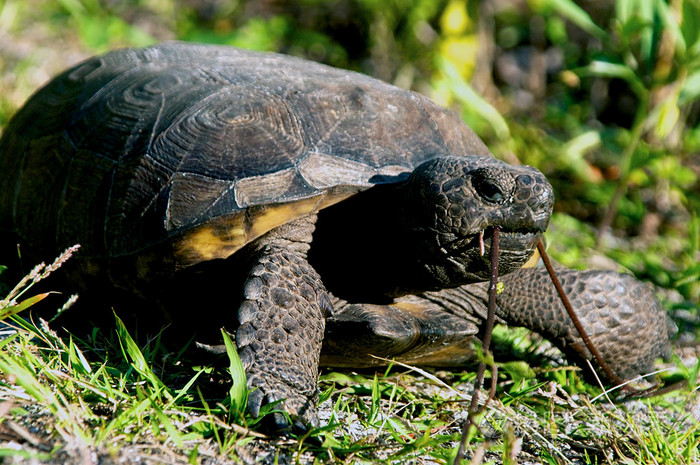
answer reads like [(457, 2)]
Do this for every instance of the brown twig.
[(486, 344), (574, 318), (609, 372)]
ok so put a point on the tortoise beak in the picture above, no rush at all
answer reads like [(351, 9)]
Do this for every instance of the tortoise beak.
[(514, 247)]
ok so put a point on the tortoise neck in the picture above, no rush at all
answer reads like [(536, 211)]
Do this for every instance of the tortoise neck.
[(363, 249)]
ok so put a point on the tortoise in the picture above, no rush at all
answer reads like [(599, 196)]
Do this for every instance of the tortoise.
[(340, 218)]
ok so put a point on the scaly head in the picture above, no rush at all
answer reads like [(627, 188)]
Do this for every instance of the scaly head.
[(453, 202)]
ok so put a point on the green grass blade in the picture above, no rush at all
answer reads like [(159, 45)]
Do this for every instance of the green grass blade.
[(133, 354), (185, 389), (239, 388), (375, 403), (173, 433), (52, 399), (23, 305), (77, 359), (616, 70), (468, 96), (125, 419), (690, 92), (7, 340)]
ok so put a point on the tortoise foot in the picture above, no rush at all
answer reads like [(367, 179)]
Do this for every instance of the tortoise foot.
[(413, 331), (282, 320)]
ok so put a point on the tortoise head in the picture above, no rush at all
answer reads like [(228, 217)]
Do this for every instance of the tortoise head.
[(455, 201)]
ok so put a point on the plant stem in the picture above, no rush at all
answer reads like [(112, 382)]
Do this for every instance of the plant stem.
[(625, 169)]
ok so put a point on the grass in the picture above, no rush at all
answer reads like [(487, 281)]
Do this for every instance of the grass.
[(66, 400), (112, 401)]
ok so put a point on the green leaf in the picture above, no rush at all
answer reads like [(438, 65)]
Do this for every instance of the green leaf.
[(624, 9), (667, 118), (477, 104), (7, 340), (401, 430), (616, 70), (132, 352), (690, 92), (689, 275), (690, 25), (632, 27), (669, 22), (25, 304), (639, 12), (376, 400), (239, 388), (519, 370), (173, 433), (574, 151), (77, 359), (184, 390), (579, 17), (192, 456)]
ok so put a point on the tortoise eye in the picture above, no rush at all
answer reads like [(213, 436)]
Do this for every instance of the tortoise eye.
[(489, 190)]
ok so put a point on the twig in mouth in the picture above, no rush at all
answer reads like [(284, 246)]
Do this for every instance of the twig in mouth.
[(486, 343)]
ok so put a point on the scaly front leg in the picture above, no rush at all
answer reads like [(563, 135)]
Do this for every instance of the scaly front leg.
[(621, 315), (282, 321)]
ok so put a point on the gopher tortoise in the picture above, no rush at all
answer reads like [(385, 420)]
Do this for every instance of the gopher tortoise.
[(328, 207)]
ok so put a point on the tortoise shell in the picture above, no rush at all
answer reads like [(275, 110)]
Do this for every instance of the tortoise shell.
[(204, 148)]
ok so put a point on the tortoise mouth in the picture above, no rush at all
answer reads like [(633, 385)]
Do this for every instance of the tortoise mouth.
[(523, 241), (474, 251), (511, 242)]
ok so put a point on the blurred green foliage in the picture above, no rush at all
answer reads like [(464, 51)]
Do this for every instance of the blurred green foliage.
[(604, 97)]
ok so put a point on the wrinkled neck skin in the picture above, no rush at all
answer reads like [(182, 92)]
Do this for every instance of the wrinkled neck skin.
[(425, 258)]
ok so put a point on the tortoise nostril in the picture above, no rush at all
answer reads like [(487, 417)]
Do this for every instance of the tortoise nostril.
[(525, 180)]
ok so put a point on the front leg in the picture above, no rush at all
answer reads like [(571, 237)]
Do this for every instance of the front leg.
[(620, 314), (282, 320)]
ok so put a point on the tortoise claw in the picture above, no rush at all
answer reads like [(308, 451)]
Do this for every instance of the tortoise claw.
[(296, 410), (277, 422)]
